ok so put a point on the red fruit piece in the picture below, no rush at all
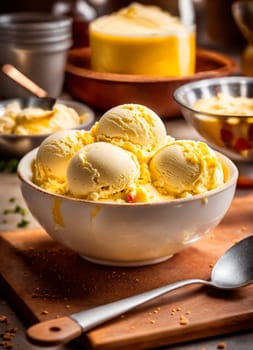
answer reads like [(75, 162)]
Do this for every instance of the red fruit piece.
[(226, 135), (130, 198), (241, 144)]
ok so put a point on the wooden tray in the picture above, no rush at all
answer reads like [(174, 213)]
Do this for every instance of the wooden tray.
[(44, 280), (106, 90)]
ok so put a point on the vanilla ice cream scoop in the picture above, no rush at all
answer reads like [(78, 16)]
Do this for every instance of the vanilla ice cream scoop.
[(54, 155), (101, 170), (186, 168), (133, 127)]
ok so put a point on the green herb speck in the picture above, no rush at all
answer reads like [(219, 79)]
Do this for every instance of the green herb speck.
[(23, 223), (9, 166), (19, 210), (7, 211)]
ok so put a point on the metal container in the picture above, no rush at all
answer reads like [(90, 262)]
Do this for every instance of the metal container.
[(14, 145), (37, 45)]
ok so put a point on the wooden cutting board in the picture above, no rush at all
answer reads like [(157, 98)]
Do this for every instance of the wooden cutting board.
[(44, 280)]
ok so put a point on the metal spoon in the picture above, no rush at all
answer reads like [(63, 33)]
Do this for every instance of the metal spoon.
[(233, 270), (42, 100)]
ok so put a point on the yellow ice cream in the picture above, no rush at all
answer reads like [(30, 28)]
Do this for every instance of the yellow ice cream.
[(133, 127), (54, 155), (102, 171), (225, 105), (126, 157), (34, 120), (142, 39), (185, 168)]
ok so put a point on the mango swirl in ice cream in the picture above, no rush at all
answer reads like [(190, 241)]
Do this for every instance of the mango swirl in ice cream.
[(142, 39)]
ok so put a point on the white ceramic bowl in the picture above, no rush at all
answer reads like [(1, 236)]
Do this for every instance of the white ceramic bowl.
[(126, 234), (17, 145)]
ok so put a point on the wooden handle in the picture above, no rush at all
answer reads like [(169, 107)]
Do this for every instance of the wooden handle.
[(54, 332)]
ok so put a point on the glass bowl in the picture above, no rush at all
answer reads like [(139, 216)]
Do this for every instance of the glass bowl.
[(231, 133)]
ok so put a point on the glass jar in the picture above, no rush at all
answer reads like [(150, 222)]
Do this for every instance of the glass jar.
[(144, 39)]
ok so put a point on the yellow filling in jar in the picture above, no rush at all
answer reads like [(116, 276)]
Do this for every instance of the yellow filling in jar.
[(142, 40)]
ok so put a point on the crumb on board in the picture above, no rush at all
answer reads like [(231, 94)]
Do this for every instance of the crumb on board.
[(157, 310), (44, 312), (221, 346), (176, 310), (183, 321), (6, 344), (8, 334), (3, 318)]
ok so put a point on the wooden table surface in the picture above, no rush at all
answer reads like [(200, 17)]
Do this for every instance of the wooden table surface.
[(10, 197)]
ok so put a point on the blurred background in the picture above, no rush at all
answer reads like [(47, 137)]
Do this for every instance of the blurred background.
[(215, 24)]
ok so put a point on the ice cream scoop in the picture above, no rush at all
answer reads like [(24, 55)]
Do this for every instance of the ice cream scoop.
[(101, 170), (186, 168), (54, 155), (133, 127)]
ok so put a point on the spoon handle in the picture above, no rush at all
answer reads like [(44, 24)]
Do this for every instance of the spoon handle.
[(64, 329), (23, 80)]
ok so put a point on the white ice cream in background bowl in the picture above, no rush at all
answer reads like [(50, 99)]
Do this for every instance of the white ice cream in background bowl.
[(36, 120), (117, 198), (23, 125)]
